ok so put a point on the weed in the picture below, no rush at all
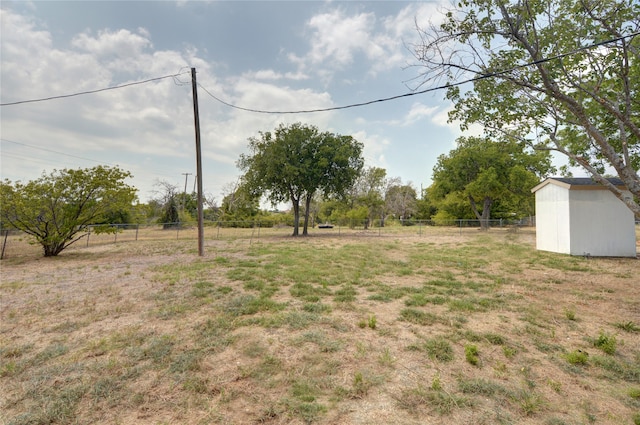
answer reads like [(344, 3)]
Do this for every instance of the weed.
[(555, 385), (529, 401), (627, 326), (618, 368), (577, 357), (471, 354), (316, 307), (360, 385), (480, 386), (508, 351), (196, 384), (439, 348), (52, 351), (188, 361), (436, 383), (323, 342), (345, 295), (570, 313), (634, 393), (215, 334), (416, 399), (372, 321), (304, 403), (418, 317), (605, 342), (249, 304), (494, 339), (386, 358), (417, 300)]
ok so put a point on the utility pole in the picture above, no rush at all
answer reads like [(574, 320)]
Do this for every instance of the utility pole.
[(184, 196), (196, 118)]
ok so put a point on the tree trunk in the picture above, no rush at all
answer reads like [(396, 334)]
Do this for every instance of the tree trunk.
[(307, 210), (296, 217), (486, 211)]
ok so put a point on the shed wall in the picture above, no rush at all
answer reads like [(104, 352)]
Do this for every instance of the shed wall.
[(552, 219), (601, 225)]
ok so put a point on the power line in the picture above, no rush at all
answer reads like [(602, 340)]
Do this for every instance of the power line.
[(3, 153), (481, 76), (56, 152), (92, 91)]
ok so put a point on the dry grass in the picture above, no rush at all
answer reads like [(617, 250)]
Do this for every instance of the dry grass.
[(328, 329)]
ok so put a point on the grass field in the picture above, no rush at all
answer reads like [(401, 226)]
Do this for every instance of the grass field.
[(429, 328)]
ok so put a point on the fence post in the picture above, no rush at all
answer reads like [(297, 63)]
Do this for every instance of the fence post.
[(115, 235), (88, 234), (137, 228)]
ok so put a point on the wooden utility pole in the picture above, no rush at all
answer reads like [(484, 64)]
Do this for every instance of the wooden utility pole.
[(184, 195), (196, 117)]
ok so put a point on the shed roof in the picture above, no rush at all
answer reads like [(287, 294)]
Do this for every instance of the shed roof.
[(579, 183)]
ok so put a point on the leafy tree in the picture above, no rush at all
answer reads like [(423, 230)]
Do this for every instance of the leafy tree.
[(239, 204), (168, 204), (561, 75), (57, 208), (368, 192), (484, 172), (401, 201), (296, 161)]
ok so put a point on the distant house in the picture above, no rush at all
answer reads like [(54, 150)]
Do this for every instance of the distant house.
[(579, 216)]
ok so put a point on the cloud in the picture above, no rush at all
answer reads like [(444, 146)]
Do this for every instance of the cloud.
[(441, 118), (338, 39), (374, 148), (118, 44), (150, 123)]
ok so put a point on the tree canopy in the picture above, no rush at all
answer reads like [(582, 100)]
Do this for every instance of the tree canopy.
[(296, 161), (58, 207), (561, 75), (482, 172)]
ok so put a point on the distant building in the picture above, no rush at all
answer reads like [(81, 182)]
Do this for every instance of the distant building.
[(579, 216)]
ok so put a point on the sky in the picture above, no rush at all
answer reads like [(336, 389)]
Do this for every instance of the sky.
[(265, 55)]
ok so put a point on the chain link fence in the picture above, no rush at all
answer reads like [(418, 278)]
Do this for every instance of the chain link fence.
[(18, 244)]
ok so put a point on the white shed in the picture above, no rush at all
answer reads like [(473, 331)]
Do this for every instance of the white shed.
[(578, 216)]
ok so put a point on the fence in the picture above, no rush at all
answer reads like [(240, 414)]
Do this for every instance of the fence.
[(17, 244)]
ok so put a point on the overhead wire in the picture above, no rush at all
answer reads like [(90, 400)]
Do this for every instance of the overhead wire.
[(120, 86), (56, 152), (3, 153), (481, 76)]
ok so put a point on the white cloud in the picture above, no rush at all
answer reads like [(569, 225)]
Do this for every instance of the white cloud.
[(417, 112), (441, 118), (120, 43), (336, 37), (374, 148)]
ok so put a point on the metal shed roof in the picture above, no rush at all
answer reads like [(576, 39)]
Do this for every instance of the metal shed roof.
[(579, 183)]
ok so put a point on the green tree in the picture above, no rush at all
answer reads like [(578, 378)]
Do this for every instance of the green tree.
[(239, 204), (296, 161), (368, 192), (484, 171), (401, 201), (57, 208), (561, 75)]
